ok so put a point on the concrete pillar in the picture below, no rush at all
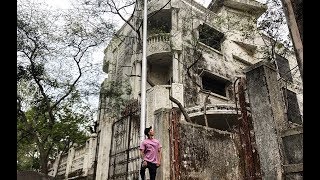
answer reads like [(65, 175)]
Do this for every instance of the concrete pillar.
[(55, 166), (69, 161), (161, 127), (85, 160), (176, 33), (92, 150), (175, 67), (176, 44), (268, 117), (177, 91), (88, 162), (104, 149)]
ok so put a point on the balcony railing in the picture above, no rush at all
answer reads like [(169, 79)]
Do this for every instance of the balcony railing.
[(212, 109), (79, 155), (158, 43), (78, 159), (63, 164)]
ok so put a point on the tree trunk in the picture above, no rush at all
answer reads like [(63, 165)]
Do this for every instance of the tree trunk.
[(43, 164), (295, 34), (182, 109), (43, 160)]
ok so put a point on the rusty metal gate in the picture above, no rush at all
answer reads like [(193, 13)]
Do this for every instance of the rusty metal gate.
[(249, 154), (174, 140), (124, 151)]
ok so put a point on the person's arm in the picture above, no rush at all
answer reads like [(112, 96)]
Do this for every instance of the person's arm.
[(159, 157), (144, 163), (142, 154)]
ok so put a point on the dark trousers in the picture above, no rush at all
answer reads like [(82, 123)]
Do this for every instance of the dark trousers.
[(152, 170)]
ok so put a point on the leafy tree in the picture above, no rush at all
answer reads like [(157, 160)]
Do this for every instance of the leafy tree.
[(117, 94), (55, 80)]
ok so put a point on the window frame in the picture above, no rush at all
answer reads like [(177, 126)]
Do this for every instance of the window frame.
[(217, 78)]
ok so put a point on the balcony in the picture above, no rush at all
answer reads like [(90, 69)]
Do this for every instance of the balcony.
[(158, 44), (215, 61), (220, 116)]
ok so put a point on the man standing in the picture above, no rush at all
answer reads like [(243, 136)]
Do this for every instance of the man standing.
[(150, 151)]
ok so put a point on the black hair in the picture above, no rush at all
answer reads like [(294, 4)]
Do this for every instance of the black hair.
[(147, 130)]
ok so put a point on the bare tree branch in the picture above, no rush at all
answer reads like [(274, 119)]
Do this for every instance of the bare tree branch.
[(185, 114)]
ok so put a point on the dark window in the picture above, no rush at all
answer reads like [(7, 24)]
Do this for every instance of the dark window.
[(210, 37), (284, 68), (159, 22), (293, 111), (214, 84)]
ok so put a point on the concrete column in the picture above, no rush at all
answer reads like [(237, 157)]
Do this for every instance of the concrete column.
[(85, 160), (69, 161), (176, 33), (176, 44), (104, 131), (104, 149), (268, 117), (92, 153), (175, 67), (91, 145), (177, 91), (161, 127), (55, 166)]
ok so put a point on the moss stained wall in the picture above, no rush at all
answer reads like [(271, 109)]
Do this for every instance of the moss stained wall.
[(206, 154), (191, 91)]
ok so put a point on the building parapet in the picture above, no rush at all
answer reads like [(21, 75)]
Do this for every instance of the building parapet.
[(78, 161), (212, 109), (158, 43)]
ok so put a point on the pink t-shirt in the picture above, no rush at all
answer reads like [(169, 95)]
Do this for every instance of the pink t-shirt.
[(151, 148)]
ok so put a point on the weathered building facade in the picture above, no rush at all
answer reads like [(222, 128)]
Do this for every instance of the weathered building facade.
[(221, 105)]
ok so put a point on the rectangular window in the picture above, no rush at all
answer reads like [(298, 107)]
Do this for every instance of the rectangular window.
[(159, 22), (284, 68), (210, 36), (293, 110), (214, 83)]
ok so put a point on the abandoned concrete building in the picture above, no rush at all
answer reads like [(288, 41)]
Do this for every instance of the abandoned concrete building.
[(220, 104)]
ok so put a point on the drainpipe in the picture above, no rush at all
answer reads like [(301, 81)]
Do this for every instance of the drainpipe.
[(144, 72)]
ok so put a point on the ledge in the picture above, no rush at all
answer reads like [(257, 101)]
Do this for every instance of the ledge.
[(292, 131), (292, 168), (210, 48), (258, 64), (212, 109), (215, 95)]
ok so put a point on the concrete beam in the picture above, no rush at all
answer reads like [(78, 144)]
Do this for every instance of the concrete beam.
[(291, 168), (292, 131)]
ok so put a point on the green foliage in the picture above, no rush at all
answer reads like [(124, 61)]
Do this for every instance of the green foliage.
[(54, 80), (27, 157), (36, 134), (117, 92)]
